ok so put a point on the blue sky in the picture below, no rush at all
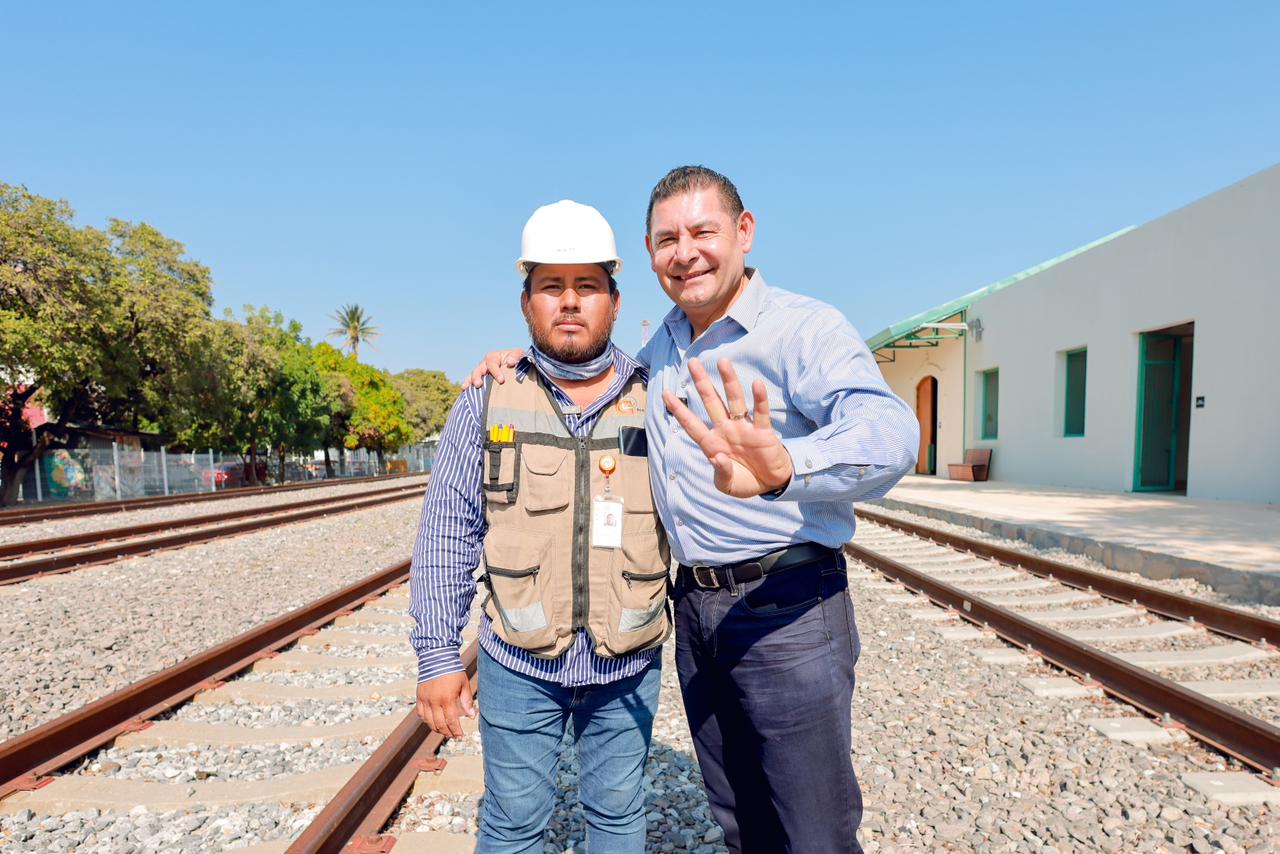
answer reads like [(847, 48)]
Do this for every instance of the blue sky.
[(895, 155)]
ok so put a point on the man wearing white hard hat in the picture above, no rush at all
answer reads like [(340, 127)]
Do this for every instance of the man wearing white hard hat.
[(758, 499), (546, 477)]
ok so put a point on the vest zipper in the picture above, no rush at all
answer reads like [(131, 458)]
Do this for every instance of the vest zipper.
[(581, 513)]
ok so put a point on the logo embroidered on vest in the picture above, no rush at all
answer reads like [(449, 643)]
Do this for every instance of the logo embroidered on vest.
[(627, 406)]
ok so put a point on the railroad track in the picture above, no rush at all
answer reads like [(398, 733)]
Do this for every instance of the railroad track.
[(343, 656), (21, 561), (1070, 617), (24, 515)]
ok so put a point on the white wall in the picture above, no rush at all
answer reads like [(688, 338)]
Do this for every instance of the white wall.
[(1215, 262), (945, 363)]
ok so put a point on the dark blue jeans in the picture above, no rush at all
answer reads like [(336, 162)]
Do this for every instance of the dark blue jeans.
[(766, 671), (522, 726)]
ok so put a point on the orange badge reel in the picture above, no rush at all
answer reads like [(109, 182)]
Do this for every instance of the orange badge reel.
[(607, 510)]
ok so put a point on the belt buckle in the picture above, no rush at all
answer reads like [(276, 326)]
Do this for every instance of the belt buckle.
[(711, 574)]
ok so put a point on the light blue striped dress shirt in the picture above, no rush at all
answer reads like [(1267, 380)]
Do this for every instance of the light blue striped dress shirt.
[(451, 534), (850, 438)]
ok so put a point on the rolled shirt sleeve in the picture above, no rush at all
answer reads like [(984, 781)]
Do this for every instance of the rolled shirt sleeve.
[(868, 436)]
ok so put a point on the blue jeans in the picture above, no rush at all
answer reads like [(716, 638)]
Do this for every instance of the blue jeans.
[(522, 725), (766, 672)]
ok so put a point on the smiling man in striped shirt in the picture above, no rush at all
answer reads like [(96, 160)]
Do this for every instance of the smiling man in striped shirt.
[(546, 474)]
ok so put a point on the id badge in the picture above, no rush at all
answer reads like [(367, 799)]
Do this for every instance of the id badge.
[(606, 522)]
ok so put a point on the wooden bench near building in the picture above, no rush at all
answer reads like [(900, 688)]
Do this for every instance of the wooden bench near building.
[(976, 465)]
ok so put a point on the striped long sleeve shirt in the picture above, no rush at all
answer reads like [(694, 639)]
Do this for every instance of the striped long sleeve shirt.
[(450, 538)]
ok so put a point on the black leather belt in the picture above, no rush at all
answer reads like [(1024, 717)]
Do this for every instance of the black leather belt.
[(712, 577)]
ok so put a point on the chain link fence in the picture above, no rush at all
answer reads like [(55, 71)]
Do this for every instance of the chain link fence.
[(126, 471)]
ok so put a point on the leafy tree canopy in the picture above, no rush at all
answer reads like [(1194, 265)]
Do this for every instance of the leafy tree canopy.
[(96, 325), (428, 397)]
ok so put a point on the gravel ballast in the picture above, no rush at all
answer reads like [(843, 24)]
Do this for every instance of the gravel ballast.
[(86, 633), (192, 762), (953, 755), (301, 713)]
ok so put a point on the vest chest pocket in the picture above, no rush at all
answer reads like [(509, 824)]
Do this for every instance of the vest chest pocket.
[(548, 480), (518, 588)]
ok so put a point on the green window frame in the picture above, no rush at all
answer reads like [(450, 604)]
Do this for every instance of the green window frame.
[(991, 403), (1077, 369)]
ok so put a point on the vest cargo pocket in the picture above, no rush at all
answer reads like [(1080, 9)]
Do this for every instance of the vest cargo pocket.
[(638, 615), (518, 604), (547, 481)]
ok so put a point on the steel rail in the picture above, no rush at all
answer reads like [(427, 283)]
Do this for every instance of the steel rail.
[(22, 515), (361, 808), (1247, 738), (51, 544), (1228, 621), (21, 571), (25, 758)]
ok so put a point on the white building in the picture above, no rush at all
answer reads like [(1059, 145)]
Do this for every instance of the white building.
[(1140, 362)]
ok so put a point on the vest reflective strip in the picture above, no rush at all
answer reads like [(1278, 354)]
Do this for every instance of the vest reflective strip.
[(525, 421)]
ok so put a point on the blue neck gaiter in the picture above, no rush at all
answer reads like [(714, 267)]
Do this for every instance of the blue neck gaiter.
[(581, 371)]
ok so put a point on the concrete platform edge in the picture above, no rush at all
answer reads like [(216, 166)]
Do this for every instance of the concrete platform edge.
[(1257, 587)]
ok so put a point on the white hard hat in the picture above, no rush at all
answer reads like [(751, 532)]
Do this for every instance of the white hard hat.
[(567, 233)]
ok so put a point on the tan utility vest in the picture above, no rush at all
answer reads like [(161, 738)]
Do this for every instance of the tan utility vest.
[(545, 579)]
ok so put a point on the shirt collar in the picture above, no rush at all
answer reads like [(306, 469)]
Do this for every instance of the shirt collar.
[(745, 311)]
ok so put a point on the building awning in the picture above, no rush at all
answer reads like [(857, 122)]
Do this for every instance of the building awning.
[(907, 333)]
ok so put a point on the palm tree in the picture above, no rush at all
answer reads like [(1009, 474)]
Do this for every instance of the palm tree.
[(353, 327)]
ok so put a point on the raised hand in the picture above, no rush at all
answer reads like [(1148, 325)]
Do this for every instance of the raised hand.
[(492, 364), (748, 457)]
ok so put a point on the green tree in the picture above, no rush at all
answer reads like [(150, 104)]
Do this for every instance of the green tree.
[(332, 365), (97, 326), (306, 402), (376, 420), (428, 396), (354, 327), (277, 394)]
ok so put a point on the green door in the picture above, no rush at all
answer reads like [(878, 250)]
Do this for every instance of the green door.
[(1159, 378)]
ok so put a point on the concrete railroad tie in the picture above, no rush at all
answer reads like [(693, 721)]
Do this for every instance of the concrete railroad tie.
[(463, 775), (265, 692), (1227, 653), (313, 661), (173, 733), (420, 842)]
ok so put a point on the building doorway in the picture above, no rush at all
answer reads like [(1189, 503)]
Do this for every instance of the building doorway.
[(927, 412), (1164, 409)]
